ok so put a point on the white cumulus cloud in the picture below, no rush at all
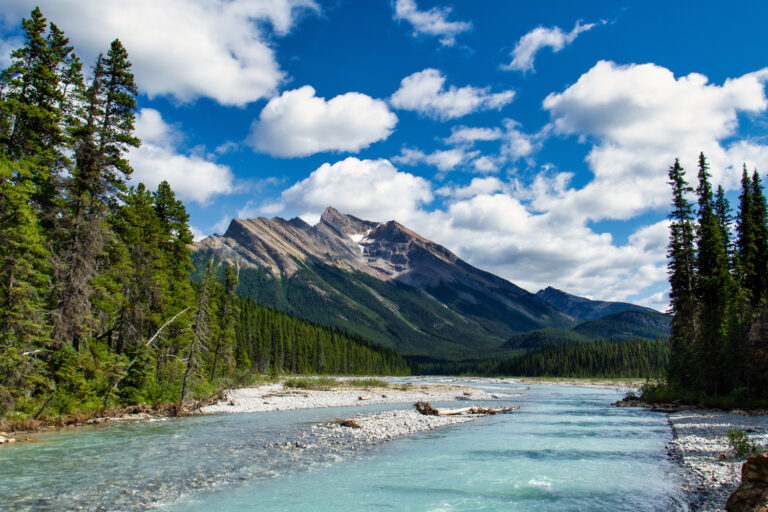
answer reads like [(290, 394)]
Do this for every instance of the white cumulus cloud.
[(528, 46), (369, 189), (182, 48), (159, 158), (433, 22), (639, 118), (466, 135), (425, 93), (298, 123), (444, 160)]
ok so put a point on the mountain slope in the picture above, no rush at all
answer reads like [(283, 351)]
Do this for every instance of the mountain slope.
[(621, 326), (585, 309), (626, 325), (379, 280)]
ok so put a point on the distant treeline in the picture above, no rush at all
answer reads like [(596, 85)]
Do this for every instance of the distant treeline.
[(635, 359), (270, 341)]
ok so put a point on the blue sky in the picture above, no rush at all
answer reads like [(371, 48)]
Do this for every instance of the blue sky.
[(530, 138)]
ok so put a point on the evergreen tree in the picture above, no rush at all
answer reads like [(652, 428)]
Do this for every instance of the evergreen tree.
[(714, 288), (24, 270), (101, 132), (177, 292), (746, 241), (681, 272), (227, 316), (35, 100), (722, 210), (760, 223), (200, 329)]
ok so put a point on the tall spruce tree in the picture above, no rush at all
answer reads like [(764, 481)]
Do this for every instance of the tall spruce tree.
[(746, 240), (227, 316), (760, 223), (714, 288), (200, 330), (102, 132), (174, 253), (681, 270), (724, 219)]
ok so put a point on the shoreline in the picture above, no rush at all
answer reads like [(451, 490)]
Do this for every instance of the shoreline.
[(700, 447)]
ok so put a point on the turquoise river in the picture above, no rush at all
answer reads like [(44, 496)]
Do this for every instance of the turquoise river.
[(565, 449)]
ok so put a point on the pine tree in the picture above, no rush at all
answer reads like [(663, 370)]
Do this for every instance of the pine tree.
[(227, 316), (101, 133), (174, 253), (24, 267), (746, 243), (200, 329), (681, 272), (722, 210), (760, 223), (714, 288)]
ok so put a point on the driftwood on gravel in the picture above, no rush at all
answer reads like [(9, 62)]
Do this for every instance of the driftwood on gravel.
[(342, 422), (426, 409)]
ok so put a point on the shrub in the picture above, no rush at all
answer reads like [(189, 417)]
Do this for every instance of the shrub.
[(311, 383), (741, 444), (366, 383)]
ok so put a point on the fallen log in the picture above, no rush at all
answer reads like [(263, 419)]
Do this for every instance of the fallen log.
[(426, 409)]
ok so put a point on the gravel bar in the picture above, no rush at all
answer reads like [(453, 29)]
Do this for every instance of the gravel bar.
[(700, 445), (274, 397)]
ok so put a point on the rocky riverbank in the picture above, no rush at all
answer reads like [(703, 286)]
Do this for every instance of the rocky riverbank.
[(700, 445)]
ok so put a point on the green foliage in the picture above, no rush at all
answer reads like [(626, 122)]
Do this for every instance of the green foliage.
[(322, 383), (741, 444), (97, 309)]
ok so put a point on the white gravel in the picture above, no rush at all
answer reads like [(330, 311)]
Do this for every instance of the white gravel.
[(389, 424), (701, 446), (273, 397)]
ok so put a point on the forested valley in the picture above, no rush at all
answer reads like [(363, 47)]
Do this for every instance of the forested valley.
[(97, 308)]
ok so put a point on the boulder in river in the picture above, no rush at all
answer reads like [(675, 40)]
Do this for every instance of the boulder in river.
[(752, 494)]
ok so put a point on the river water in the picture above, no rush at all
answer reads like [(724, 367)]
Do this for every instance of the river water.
[(565, 449)]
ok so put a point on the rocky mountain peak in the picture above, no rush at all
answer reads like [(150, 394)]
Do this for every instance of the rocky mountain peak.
[(345, 225)]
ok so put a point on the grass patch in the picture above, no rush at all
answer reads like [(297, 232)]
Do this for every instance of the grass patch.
[(366, 383), (321, 383)]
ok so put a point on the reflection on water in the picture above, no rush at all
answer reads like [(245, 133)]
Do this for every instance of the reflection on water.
[(565, 449)]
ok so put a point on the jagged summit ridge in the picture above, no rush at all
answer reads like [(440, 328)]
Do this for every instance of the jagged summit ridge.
[(386, 250)]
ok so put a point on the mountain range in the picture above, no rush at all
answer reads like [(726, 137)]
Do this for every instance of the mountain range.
[(394, 287)]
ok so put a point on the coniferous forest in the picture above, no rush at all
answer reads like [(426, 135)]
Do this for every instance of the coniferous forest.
[(641, 358), (96, 304), (718, 274)]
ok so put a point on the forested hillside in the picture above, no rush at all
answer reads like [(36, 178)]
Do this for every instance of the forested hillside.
[(96, 303)]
